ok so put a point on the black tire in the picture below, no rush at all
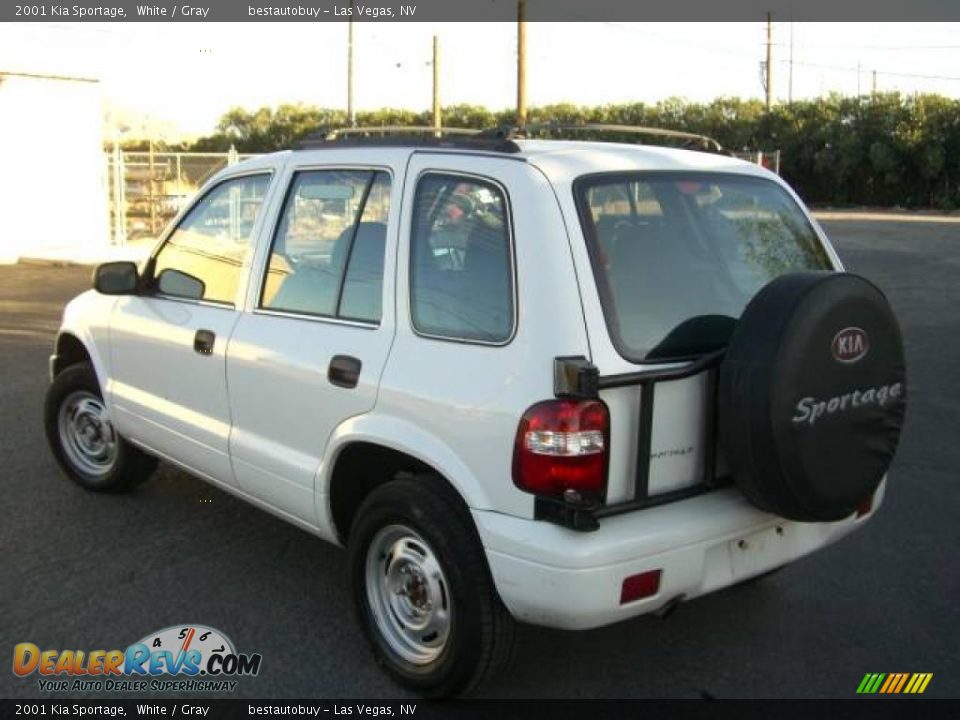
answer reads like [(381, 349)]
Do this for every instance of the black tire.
[(129, 466), (481, 632)]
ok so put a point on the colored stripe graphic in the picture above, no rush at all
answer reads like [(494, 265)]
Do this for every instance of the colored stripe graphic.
[(891, 680), (894, 683), (868, 683), (923, 679)]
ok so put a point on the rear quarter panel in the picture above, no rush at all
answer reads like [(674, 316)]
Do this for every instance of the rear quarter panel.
[(461, 402)]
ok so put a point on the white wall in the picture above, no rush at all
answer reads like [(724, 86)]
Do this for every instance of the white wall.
[(53, 192)]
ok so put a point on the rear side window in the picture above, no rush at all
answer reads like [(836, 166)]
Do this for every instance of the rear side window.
[(461, 263), (328, 249), (677, 256)]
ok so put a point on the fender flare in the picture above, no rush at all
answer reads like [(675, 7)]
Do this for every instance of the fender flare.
[(99, 366), (402, 436)]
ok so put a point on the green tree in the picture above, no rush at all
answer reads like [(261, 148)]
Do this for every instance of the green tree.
[(885, 149)]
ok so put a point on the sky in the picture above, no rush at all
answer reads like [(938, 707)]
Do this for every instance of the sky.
[(187, 75)]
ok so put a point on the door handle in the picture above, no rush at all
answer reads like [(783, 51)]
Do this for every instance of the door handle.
[(344, 371), (203, 341)]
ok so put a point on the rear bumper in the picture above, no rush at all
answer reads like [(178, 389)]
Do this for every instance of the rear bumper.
[(549, 575)]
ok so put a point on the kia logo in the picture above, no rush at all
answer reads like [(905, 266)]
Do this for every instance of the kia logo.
[(849, 345)]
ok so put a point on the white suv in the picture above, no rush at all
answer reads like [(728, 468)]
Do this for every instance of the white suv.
[(560, 382)]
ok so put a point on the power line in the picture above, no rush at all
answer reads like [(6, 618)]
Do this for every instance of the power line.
[(737, 53), (891, 73), (875, 47)]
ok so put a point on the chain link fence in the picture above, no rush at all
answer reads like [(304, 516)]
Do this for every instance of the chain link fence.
[(147, 189)]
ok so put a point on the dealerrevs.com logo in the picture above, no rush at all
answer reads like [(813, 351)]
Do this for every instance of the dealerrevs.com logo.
[(187, 658)]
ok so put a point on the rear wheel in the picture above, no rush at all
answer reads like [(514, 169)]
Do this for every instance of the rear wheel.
[(83, 439), (422, 589)]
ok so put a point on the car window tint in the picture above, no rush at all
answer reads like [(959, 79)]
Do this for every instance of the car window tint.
[(678, 256), (327, 254), (213, 242), (461, 263)]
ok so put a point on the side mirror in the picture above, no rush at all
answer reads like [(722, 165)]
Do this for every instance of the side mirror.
[(116, 278), (180, 284)]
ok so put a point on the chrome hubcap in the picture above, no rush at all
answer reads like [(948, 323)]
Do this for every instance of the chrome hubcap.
[(408, 594), (86, 434)]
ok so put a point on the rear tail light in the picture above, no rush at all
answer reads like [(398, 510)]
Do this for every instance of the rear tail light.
[(561, 446)]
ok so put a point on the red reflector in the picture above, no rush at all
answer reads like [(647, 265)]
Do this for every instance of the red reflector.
[(865, 506), (640, 586)]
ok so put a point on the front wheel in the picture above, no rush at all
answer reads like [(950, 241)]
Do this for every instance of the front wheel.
[(422, 589), (83, 439)]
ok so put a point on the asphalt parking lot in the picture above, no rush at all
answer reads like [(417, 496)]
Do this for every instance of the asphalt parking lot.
[(86, 571)]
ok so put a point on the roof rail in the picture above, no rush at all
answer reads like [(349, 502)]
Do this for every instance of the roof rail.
[(337, 133), (497, 139), (418, 135), (516, 132)]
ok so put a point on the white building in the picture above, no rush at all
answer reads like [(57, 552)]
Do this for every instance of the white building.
[(53, 185)]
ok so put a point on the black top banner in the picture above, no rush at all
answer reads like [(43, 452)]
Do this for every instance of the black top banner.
[(482, 11)]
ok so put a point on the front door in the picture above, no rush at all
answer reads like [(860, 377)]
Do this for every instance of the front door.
[(168, 344)]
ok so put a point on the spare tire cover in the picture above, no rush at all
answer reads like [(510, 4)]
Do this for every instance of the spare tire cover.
[(812, 395)]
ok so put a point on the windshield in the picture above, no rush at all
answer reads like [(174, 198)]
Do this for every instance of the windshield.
[(677, 256)]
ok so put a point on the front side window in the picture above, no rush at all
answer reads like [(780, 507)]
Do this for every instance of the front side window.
[(328, 250), (203, 258), (677, 256), (460, 260)]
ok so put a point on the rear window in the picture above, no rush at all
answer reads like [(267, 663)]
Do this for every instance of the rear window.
[(677, 256)]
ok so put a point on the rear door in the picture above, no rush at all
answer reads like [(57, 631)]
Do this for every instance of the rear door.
[(310, 351), (675, 258), (168, 344)]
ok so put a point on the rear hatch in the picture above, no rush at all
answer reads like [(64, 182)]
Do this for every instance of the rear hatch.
[(676, 257)]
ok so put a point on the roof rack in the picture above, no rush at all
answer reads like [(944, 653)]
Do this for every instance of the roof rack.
[(497, 139), (516, 132), (419, 135)]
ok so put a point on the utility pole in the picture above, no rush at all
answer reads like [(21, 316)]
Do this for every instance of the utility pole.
[(874, 92), (521, 62), (437, 121), (858, 78), (351, 115), (769, 87), (790, 86), (153, 204)]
